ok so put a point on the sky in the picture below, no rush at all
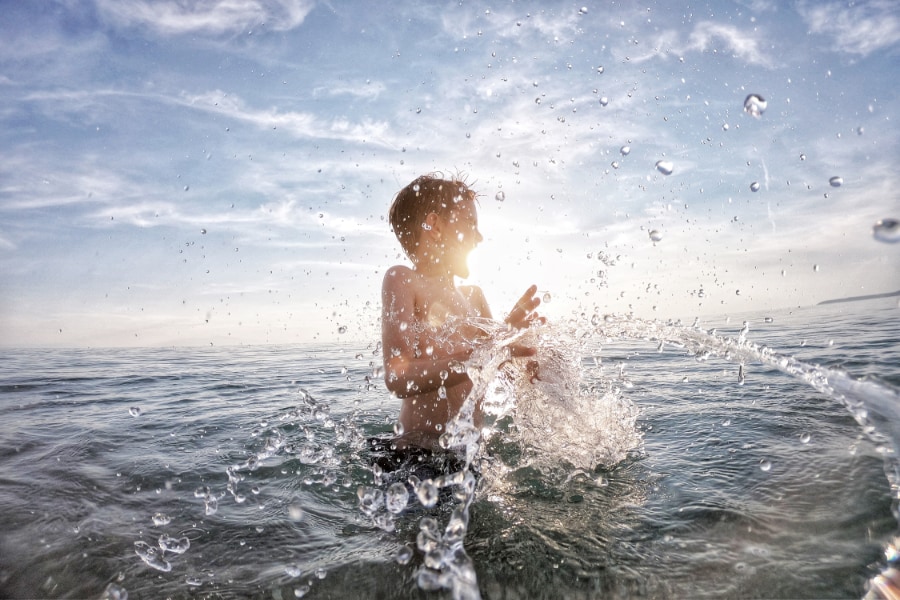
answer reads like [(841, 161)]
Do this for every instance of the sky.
[(178, 172)]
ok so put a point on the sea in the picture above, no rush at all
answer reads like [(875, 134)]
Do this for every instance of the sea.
[(745, 457)]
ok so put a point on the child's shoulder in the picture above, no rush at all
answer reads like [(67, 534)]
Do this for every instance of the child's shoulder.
[(475, 297), (399, 276), (470, 291), (399, 271)]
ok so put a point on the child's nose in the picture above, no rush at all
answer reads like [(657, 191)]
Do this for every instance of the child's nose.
[(478, 237)]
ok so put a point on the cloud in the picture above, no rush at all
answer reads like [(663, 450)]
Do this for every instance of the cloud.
[(368, 90), (93, 105), (32, 185), (742, 45), (300, 124), (214, 17), (706, 36), (862, 28), (6, 244)]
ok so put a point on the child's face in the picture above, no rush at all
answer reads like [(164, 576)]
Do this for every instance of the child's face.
[(459, 237)]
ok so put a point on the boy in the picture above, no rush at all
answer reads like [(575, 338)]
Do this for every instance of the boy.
[(423, 339)]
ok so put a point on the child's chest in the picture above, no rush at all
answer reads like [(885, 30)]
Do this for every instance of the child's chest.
[(434, 307)]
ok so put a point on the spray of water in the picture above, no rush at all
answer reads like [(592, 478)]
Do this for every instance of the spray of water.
[(565, 420), (560, 421)]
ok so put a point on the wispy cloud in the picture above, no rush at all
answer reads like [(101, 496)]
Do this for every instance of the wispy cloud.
[(301, 124), (171, 17), (859, 28), (742, 44), (706, 36), (358, 89), (90, 105), (6, 244), (30, 185)]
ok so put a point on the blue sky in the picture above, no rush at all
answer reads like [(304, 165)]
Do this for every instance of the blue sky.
[(219, 172)]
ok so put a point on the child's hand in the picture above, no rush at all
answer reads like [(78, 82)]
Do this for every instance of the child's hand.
[(531, 367), (522, 315)]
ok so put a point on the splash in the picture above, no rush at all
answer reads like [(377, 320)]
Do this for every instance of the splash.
[(565, 426), (562, 413), (543, 405), (871, 402), (874, 404)]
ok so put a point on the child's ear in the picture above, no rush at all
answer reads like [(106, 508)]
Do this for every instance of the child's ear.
[(432, 222)]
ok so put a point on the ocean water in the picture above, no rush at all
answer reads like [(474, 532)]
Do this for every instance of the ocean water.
[(652, 459)]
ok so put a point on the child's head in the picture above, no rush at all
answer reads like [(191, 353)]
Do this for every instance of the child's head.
[(425, 195)]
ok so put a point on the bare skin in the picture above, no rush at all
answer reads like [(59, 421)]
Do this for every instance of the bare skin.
[(425, 345)]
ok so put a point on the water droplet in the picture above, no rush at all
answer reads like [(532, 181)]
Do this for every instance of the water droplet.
[(202, 232), (804, 438), (655, 235), (765, 465), (802, 156), (135, 411), (404, 555), (816, 268), (625, 150), (114, 592), (600, 70), (295, 511), (754, 187), (370, 499), (665, 167), (537, 100), (887, 230), (836, 181), (153, 556), (546, 298), (427, 493), (176, 545), (583, 11), (396, 498), (500, 196), (210, 505), (161, 519), (604, 101), (755, 105), (725, 127), (342, 329)]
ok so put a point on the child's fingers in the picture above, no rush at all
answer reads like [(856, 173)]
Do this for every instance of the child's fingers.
[(516, 351), (525, 305)]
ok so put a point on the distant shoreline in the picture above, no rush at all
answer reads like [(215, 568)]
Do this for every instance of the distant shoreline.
[(858, 298)]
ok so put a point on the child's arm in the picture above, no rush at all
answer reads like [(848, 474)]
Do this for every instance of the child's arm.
[(406, 374)]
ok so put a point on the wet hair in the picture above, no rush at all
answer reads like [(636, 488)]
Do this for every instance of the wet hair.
[(427, 194)]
